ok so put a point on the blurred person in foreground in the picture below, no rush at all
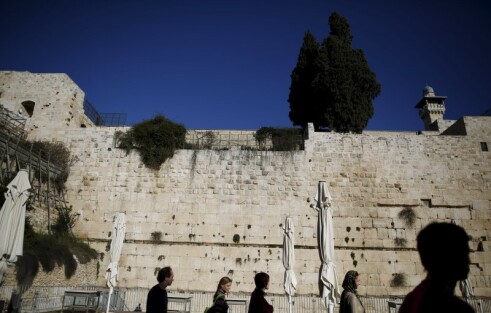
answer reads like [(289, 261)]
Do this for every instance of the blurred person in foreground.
[(444, 252)]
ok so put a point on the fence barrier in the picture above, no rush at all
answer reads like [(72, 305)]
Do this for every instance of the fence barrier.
[(49, 299), (241, 140)]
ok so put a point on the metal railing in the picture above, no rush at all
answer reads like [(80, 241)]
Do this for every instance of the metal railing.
[(113, 119), (45, 299), (225, 140), (27, 158), (103, 119), (92, 113), (48, 299), (45, 177), (12, 123)]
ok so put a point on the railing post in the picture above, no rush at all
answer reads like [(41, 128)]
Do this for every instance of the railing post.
[(35, 302), (40, 187), (47, 196), (29, 163)]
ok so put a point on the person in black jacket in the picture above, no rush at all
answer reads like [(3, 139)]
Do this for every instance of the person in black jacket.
[(157, 296), (219, 302), (258, 303), (444, 252)]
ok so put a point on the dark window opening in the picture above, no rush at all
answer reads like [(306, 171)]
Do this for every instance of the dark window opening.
[(484, 146), (29, 107)]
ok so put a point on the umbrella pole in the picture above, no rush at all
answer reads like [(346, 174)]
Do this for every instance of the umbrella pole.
[(109, 299), (330, 306)]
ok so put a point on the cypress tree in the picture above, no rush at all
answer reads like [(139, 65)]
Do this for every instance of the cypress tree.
[(339, 94), (302, 96)]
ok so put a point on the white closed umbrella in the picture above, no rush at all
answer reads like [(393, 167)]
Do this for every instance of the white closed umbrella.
[(330, 290), (290, 282), (119, 228), (12, 221)]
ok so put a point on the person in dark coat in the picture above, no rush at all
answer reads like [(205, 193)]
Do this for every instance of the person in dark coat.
[(444, 252), (258, 303), (350, 303), (157, 300), (219, 302)]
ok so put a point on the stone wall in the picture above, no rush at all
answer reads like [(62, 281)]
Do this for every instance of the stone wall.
[(201, 200), (57, 102)]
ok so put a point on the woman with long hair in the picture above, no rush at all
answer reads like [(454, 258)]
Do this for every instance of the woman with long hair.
[(219, 302), (350, 303)]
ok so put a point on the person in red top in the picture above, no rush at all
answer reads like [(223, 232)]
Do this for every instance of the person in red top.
[(444, 252), (258, 303)]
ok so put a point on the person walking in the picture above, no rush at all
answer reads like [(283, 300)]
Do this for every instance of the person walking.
[(444, 252), (157, 300), (258, 303), (219, 302), (350, 303)]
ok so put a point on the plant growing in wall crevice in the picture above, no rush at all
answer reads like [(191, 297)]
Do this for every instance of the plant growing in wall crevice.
[(58, 155), (408, 216), (236, 238), (156, 140), (207, 140), (65, 221), (398, 280), (400, 242), (156, 236)]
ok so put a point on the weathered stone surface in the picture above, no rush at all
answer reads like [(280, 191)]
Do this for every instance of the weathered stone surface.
[(200, 200)]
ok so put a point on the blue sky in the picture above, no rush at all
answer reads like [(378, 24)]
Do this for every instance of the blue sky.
[(227, 64)]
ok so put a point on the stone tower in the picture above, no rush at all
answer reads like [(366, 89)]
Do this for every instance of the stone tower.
[(431, 108)]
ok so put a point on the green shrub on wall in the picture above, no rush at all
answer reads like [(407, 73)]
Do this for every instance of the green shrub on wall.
[(65, 221), (58, 154), (282, 139), (156, 140)]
